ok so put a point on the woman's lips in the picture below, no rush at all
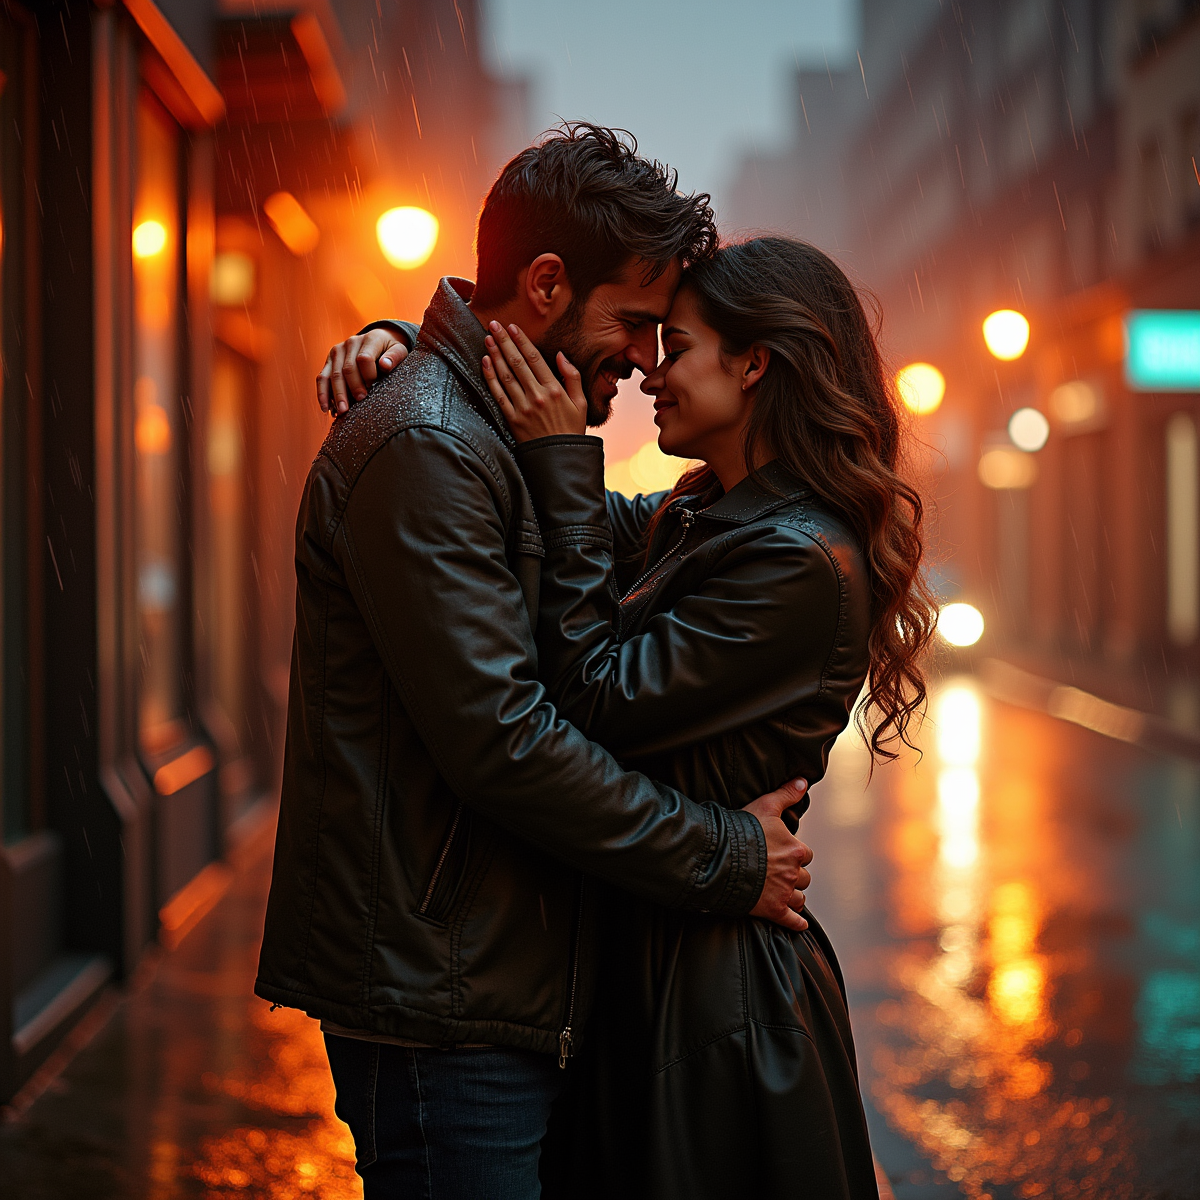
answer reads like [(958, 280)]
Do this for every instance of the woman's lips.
[(662, 406)]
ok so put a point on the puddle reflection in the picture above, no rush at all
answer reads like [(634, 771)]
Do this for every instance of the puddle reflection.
[(963, 1068)]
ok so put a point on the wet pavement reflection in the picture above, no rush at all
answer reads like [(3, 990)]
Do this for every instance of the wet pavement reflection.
[(1018, 916), (193, 1087)]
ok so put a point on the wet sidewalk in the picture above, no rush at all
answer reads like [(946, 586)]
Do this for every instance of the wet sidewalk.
[(190, 1086), (1018, 916)]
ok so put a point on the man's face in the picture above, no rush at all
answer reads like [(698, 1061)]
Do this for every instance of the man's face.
[(613, 331)]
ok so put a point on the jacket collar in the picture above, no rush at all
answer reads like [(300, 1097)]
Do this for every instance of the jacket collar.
[(750, 500), (453, 332)]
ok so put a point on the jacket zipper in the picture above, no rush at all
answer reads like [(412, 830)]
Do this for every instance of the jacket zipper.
[(687, 519), (565, 1043), (423, 907)]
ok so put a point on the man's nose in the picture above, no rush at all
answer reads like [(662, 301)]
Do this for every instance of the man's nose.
[(643, 351)]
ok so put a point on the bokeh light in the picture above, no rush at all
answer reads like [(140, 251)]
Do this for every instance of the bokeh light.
[(921, 386), (152, 430), (960, 624), (288, 217), (1028, 430), (407, 236), (232, 278), (1004, 467), (648, 470), (1006, 333), (148, 239), (1075, 402)]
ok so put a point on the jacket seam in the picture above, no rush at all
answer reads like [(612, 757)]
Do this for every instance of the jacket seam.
[(558, 536), (810, 531)]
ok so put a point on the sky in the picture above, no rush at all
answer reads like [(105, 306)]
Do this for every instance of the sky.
[(698, 81)]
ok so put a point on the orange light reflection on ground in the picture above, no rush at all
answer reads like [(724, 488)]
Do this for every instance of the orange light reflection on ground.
[(973, 1007), (277, 1164)]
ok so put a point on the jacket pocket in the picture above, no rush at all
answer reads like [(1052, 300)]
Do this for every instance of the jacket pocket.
[(449, 868)]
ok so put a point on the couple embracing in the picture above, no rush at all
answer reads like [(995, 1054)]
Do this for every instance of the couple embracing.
[(537, 871)]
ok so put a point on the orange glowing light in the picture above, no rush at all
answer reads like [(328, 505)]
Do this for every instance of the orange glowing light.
[(149, 238), (921, 386), (1006, 333), (152, 432), (296, 229), (1007, 468), (407, 236)]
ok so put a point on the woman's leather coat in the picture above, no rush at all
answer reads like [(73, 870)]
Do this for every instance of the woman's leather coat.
[(721, 1064)]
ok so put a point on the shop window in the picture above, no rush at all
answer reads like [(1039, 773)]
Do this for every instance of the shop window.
[(159, 428)]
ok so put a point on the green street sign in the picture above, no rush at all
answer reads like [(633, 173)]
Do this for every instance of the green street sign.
[(1162, 350)]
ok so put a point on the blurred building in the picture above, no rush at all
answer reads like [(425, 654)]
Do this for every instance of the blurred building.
[(1042, 158), (188, 197)]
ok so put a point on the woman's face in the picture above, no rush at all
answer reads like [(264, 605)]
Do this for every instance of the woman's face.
[(700, 404)]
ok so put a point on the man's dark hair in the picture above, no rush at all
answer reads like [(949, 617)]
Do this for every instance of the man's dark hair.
[(583, 193)]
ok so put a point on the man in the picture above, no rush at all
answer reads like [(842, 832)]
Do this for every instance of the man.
[(427, 902)]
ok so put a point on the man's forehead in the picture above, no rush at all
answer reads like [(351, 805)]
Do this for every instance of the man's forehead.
[(643, 295)]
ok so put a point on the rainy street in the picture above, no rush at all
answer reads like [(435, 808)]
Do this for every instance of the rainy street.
[(866, 341), (1018, 917)]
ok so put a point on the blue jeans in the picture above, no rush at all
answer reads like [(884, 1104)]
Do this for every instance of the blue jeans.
[(461, 1124)]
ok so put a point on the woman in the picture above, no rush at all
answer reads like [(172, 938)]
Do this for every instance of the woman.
[(718, 640)]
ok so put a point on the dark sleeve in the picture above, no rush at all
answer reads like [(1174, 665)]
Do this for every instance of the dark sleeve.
[(406, 331), (752, 641), (629, 519), (422, 546)]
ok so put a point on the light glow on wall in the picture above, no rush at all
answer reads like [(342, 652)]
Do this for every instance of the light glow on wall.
[(407, 236), (1006, 334), (921, 386)]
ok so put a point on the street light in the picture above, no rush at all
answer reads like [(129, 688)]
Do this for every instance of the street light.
[(921, 386), (407, 236), (148, 239), (960, 624), (1006, 333)]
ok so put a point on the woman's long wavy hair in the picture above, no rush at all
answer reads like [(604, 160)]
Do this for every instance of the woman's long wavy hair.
[(826, 408)]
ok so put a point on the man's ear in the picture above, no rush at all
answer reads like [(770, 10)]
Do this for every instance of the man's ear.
[(547, 287), (755, 366)]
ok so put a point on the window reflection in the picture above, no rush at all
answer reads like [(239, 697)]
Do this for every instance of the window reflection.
[(158, 427)]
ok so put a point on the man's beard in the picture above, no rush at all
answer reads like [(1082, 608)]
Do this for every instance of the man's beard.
[(566, 334)]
